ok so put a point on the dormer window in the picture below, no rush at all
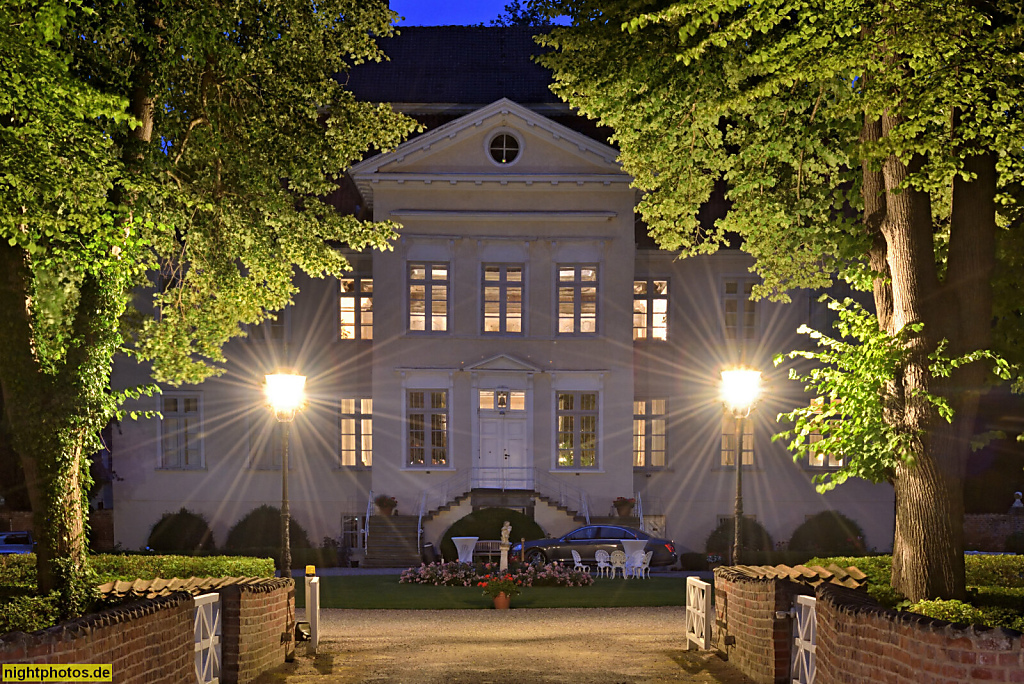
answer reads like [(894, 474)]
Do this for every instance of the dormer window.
[(503, 148)]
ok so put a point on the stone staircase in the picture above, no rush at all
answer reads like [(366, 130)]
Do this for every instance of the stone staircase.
[(392, 542), (512, 498)]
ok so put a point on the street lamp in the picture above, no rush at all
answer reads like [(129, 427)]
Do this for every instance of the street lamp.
[(285, 397), (741, 388)]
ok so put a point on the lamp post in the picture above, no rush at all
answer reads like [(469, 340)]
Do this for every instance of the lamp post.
[(285, 396), (741, 388)]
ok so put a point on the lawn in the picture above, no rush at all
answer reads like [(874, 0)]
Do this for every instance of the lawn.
[(384, 591)]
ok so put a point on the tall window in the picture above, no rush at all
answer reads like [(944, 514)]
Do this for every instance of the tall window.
[(740, 322), (428, 297), (729, 441), (503, 298), (577, 299), (649, 432), (357, 432), (266, 444), (819, 457), (577, 429), (355, 303), (270, 329), (650, 309), (427, 417), (180, 431)]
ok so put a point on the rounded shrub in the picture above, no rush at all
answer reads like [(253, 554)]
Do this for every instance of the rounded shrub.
[(828, 532), (486, 524), (753, 537), (181, 532), (261, 527)]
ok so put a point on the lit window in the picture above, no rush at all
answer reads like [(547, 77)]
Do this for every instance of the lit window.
[(357, 432), (577, 299), (427, 419), (504, 148), (817, 457), (503, 298), (740, 321), (502, 400), (650, 309), (729, 441), (577, 429), (428, 297), (649, 432), (355, 303), (181, 431)]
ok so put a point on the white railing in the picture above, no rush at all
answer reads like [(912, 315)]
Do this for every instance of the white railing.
[(640, 511), (440, 494), (503, 477), (805, 639), (564, 493), (207, 628), (366, 520), (698, 614)]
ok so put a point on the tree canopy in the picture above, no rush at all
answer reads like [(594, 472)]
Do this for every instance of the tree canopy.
[(880, 143), (181, 149)]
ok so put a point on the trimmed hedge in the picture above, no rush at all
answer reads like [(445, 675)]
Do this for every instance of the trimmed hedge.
[(753, 537), (828, 532), (181, 532), (486, 524), (261, 528), (322, 557), (111, 567)]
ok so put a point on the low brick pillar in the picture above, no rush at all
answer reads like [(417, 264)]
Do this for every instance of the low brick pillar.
[(988, 531), (147, 642), (101, 527), (258, 632), (746, 630), (860, 641)]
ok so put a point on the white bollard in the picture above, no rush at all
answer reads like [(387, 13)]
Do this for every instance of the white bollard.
[(313, 608)]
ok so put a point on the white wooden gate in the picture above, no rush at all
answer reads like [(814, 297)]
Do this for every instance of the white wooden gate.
[(698, 614), (207, 635), (805, 639)]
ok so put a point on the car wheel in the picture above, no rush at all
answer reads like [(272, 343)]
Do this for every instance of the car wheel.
[(536, 556)]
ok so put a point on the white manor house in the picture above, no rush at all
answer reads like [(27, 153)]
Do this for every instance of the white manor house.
[(524, 344)]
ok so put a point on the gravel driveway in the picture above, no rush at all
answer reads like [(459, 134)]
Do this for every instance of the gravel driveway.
[(571, 645)]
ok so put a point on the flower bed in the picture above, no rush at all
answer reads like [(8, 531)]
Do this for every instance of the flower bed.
[(457, 574)]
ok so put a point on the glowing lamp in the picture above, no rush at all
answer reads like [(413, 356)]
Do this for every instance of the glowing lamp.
[(741, 388), (285, 394)]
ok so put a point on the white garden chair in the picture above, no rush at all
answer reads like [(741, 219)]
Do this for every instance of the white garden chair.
[(604, 567), (644, 568), (634, 561), (618, 559), (579, 562)]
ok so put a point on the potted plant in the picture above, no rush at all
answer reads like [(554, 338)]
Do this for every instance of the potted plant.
[(501, 588), (624, 506), (386, 504)]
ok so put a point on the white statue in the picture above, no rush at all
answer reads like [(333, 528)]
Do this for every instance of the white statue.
[(506, 530)]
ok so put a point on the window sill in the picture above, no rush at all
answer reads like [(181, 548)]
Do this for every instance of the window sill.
[(427, 469), (165, 469), (588, 471)]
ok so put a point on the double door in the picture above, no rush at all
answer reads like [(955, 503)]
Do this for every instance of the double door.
[(503, 455)]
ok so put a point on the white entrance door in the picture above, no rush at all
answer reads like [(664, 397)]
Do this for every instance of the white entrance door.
[(502, 462)]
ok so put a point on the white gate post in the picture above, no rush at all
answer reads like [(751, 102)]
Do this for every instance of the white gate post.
[(313, 608), (805, 639), (698, 614), (207, 630)]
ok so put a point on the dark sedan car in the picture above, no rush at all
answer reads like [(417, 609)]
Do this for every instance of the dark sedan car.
[(589, 539)]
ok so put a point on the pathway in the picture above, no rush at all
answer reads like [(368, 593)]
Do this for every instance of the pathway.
[(565, 645)]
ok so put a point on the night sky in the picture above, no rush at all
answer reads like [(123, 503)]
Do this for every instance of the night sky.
[(447, 12)]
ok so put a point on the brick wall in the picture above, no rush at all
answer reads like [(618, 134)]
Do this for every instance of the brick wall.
[(988, 531), (14, 521), (746, 629), (859, 641), (101, 530), (147, 642), (258, 628)]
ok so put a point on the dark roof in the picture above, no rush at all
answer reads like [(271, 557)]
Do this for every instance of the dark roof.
[(469, 65)]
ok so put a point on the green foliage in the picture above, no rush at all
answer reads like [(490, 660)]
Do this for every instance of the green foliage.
[(486, 524), (878, 570), (853, 415), (111, 567), (28, 613), (261, 527), (753, 537), (953, 611), (828, 532), (1015, 543), (995, 571), (18, 571), (183, 531)]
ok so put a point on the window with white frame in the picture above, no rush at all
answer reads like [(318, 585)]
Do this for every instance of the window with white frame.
[(181, 431), (503, 298), (273, 328), (729, 441), (577, 299), (740, 321), (266, 443), (650, 309), (818, 457), (428, 296), (355, 304), (577, 415), (426, 415), (649, 432), (357, 432), (502, 400)]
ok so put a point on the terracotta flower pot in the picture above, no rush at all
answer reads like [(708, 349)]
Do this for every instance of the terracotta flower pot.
[(624, 510), (502, 601)]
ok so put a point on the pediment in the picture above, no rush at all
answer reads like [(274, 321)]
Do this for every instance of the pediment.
[(506, 363)]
